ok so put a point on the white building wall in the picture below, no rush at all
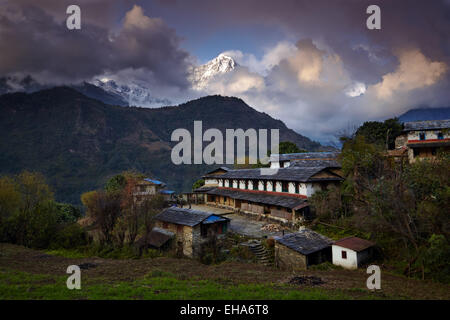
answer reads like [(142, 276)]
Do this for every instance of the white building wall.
[(291, 187), (220, 182), (352, 257), (269, 186), (429, 134), (303, 189), (241, 184), (210, 181), (278, 186), (309, 189), (235, 183), (250, 184), (261, 185), (274, 165), (227, 183)]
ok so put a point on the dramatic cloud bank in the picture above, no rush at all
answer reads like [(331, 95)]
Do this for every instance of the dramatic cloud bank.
[(326, 73), (34, 42)]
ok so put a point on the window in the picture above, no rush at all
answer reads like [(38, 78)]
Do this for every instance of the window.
[(284, 187), (165, 225), (433, 151), (297, 189), (246, 184), (422, 136), (344, 254), (440, 136), (265, 185), (255, 184), (224, 199), (416, 153)]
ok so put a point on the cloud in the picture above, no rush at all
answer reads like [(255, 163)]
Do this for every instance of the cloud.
[(414, 71), (35, 43), (313, 92)]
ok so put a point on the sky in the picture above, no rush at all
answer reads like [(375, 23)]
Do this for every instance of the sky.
[(312, 64)]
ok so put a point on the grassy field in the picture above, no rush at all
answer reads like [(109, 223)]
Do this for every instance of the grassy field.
[(32, 274)]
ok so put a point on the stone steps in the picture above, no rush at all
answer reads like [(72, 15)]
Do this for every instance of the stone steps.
[(262, 255)]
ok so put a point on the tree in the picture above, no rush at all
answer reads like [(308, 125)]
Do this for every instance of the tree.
[(116, 183), (197, 184), (381, 133), (9, 197), (33, 189), (104, 209), (289, 147)]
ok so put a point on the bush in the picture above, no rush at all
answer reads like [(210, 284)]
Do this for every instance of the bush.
[(71, 236)]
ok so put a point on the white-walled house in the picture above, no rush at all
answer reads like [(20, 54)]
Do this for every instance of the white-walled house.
[(352, 252), (423, 139), (281, 195)]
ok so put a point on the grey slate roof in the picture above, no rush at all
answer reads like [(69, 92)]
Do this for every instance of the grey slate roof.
[(426, 125), (203, 189), (297, 174), (305, 241), (275, 200), (315, 163), (183, 216), (158, 237), (305, 156)]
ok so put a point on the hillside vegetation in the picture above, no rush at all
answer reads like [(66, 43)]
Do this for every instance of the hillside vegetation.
[(78, 142)]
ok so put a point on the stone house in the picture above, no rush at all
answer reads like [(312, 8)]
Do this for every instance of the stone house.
[(352, 252), (191, 228), (422, 139), (299, 250), (147, 188)]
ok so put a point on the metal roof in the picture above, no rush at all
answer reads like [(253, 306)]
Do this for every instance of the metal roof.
[(290, 202), (354, 243), (304, 156), (154, 181), (167, 191), (297, 174), (304, 241), (183, 216), (426, 125)]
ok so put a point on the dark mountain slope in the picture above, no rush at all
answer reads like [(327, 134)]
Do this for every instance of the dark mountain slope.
[(422, 114), (78, 142)]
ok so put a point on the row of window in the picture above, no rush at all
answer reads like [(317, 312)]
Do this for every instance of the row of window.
[(422, 136), (255, 185)]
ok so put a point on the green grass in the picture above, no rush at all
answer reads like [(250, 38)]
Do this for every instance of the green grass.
[(156, 285)]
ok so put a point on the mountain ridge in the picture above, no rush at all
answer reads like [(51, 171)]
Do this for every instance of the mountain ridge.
[(79, 142)]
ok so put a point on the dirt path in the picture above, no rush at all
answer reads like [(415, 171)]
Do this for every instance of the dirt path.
[(111, 270)]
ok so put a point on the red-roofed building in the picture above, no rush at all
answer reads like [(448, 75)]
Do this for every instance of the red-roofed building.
[(352, 252)]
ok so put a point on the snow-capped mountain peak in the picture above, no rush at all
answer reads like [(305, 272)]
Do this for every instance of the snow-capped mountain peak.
[(221, 64)]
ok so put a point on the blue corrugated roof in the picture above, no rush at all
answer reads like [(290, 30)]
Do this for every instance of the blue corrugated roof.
[(167, 192), (213, 218), (153, 181)]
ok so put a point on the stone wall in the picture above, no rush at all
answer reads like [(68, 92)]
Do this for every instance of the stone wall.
[(288, 259)]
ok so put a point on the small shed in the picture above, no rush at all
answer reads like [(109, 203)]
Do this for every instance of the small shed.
[(191, 227), (299, 250), (352, 252)]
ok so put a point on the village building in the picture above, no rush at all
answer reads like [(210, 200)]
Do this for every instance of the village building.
[(147, 188), (190, 228), (352, 252), (328, 159), (422, 139), (281, 196), (299, 250)]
